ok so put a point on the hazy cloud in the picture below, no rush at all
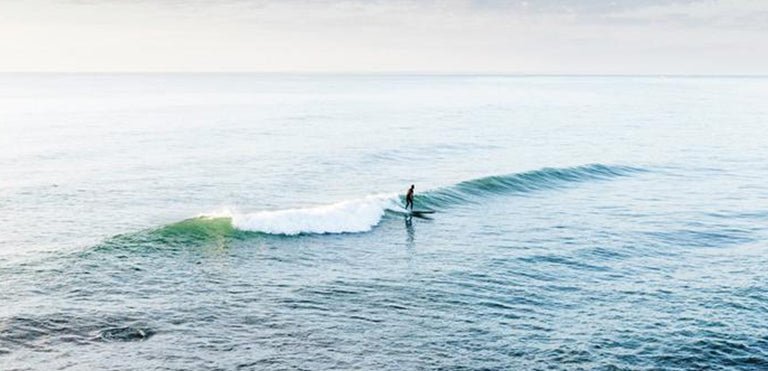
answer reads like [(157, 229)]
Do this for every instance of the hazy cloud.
[(544, 36)]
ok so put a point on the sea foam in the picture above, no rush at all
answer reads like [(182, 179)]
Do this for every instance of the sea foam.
[(350, 216)]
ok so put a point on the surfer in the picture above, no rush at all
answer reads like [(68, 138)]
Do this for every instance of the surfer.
[(409, 198)]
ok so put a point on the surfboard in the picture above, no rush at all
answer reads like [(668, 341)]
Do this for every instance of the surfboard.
[(421, 212)]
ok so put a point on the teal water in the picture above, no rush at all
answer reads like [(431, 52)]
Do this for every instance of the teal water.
[(245, 221)]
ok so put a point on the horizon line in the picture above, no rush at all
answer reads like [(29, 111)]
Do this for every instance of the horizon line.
[(384, 73)]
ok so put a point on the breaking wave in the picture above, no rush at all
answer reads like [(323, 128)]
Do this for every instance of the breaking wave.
[(350, 216), (361, 215)]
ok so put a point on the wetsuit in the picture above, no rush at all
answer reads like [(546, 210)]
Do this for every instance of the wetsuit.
[(409, 199)]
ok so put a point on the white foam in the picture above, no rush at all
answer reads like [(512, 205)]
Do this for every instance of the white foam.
[(359, 215)]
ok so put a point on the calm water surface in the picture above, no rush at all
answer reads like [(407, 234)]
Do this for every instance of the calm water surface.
[(227, 222)]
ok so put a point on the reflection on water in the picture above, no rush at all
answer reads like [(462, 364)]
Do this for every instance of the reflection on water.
[(409, 230)]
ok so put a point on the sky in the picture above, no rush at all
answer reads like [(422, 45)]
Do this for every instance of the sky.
[(389, 36)]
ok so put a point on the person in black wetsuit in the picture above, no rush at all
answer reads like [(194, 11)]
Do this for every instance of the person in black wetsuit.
[(409, 198)]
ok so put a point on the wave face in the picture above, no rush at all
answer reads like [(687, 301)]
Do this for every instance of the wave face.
[(473, 191), (361, 215)]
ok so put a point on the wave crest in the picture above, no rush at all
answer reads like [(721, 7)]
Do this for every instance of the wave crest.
[(472, 191)]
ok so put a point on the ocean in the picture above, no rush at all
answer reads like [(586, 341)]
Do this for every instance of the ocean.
[(255, 222)]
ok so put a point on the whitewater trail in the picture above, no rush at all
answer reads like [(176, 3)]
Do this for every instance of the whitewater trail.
[(350, 216)]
